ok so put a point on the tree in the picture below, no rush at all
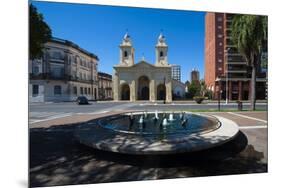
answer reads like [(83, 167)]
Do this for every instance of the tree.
[(203, 88), (39, 33), (249, 35), (194, 89)]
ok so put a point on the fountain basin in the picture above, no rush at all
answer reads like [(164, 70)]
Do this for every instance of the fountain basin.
[(116, 134)]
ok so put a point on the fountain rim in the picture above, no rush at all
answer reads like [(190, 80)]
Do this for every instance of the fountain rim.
[(102, 139)]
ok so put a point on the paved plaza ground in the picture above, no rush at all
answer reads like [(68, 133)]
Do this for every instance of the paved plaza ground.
[(56, 158)]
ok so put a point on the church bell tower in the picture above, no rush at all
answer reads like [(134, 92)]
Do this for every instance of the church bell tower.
[(126, 51), (161, 51)]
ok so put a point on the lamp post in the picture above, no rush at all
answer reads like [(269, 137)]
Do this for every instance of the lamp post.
[(226, 76), (164, 90), (218, 89)]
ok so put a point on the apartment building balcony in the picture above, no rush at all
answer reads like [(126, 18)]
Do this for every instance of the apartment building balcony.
[(47, 76), (236, 71), (56, 60), (77, 79), (236, 62)]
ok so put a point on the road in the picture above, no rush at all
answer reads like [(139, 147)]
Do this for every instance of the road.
[(46, 111)]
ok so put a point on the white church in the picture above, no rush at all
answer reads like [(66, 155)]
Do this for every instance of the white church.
[(144, 81)]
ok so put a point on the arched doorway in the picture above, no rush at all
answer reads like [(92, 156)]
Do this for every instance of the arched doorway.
[(143, 88), (161, 92), (125, 92)]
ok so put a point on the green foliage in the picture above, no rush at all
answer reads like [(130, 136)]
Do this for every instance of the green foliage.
[(249, 35), (199, 99), (39, 33), (194, 89), (197, 88)]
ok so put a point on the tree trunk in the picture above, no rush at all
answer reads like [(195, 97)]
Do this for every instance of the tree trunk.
[(253, 89)]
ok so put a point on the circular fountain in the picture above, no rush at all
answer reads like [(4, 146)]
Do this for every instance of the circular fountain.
[(156, 132)]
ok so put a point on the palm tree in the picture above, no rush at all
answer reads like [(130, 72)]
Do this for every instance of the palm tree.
[(249, 35)]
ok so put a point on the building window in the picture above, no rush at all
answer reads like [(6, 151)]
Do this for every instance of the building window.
[(75, 90), (89, 91), (220, 43), (35, 70), (125, 54), (219, 35), (35, 90), (219, 19), (57, 90), (81, 90), (57, 71), (161, 54), (219, 27), (57, 55), (219, 60), (85, 91)]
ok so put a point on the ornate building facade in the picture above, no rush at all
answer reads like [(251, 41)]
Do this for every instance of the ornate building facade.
[(105, 86), (64, 72), (142, 81)]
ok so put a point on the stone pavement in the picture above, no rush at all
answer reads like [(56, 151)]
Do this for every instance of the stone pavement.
[(56, 158)]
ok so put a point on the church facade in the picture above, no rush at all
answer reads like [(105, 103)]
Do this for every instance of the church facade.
[(142, 81)]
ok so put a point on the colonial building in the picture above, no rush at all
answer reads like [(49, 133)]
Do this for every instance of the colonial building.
[(226, 70), (142, 81), (64, 72), (105, 86)]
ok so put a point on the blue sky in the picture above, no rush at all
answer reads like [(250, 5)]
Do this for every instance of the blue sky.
[(99, 29)]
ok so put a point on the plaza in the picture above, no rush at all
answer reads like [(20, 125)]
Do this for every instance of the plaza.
[(59, 159)]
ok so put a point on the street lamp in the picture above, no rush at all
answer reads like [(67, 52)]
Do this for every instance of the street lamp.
[(164, 90), (226, 76), (218, 89)]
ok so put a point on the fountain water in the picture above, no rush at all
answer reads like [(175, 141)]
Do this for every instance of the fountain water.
[(171, 117), (141, 120), (165, 122), (145, 114), (156, 115)]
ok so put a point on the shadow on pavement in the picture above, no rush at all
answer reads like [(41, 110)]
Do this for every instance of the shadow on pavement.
[(56, 158)]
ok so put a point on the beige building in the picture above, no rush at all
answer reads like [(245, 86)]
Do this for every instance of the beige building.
[(142, 81), (105, 86), (64, 72)]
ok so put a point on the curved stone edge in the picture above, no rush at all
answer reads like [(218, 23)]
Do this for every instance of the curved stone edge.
[(98, 138)]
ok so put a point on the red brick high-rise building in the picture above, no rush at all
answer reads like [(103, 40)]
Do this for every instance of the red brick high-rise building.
[(225, 68)]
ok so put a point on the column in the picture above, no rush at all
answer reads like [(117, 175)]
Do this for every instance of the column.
[(133, 91), (152, 90), (169, 91), (240, 91), (116, 87)]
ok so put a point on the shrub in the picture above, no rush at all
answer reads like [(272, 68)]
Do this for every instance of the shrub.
[(199, 99)]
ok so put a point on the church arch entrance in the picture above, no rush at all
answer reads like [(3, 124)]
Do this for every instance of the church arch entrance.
[(161, 92), (125, 92), (143, 88)]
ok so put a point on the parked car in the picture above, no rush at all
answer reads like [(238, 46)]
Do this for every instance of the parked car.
[(82, 100)]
